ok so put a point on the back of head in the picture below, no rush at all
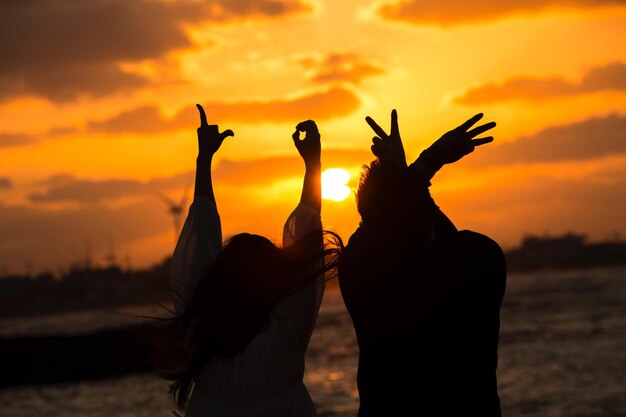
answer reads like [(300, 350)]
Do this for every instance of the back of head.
[(256, 268), (233, 300), (390, 199)]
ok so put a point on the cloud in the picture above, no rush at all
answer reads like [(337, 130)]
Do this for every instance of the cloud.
[(228, 10), (5, 183), (65, 84), (608, 77), (72, 189), (589, 139), (318, 105), (62, 49), (339, 67), (322, 104), (8, 140), (454, 12)]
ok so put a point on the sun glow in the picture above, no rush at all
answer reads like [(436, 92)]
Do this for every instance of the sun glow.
[(334, 182)]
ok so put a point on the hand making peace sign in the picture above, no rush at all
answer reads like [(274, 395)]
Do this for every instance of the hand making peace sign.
[(388, 147)]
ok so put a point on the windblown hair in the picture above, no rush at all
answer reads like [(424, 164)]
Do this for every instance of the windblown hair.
[(234, 298)]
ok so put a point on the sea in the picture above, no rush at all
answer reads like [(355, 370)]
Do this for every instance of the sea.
[(562, 354)]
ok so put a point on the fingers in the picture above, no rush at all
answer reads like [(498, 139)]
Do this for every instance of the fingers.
[(377, 150), (470, 122), (296, 136), (213, 129), (378, 146), (481, 129), (379, 130), (203, 121), (226, 134), (394, 123), (482, 141), (307, 126)]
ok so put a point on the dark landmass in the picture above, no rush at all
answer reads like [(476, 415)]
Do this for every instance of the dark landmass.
[(57, 359)]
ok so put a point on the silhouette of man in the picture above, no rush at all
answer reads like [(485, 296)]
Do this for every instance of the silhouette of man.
[(424, 298)]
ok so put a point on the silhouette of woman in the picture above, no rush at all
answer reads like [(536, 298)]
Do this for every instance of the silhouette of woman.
[(246, 308)]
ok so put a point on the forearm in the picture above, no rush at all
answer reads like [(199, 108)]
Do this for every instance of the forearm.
[(422, 170), (425, 166), (204, 183), (312, 185)]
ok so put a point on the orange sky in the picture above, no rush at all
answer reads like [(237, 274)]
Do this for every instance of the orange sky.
[(97, 115)]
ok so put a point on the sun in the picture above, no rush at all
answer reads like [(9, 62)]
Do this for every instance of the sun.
[(334, 182)]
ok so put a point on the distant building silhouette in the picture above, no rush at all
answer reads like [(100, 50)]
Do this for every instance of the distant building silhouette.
[(570, 250)]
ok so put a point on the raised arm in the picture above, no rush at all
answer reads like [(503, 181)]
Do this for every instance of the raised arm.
[(451, 147), (301, 308), (310, 150), (201, 238)]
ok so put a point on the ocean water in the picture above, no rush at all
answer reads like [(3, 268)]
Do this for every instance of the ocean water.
[(562, 353)]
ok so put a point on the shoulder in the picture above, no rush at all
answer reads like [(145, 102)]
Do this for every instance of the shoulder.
[(481, 246)]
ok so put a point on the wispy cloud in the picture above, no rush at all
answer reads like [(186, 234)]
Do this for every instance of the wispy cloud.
[(5, 183), (72, 189), (339, 67), (319, 105), (454, 12), (611, 77), (8, 140)]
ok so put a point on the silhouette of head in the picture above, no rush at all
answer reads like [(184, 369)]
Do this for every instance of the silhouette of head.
[(390, 198)]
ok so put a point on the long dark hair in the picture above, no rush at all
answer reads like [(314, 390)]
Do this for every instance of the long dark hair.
[(234, 298)]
